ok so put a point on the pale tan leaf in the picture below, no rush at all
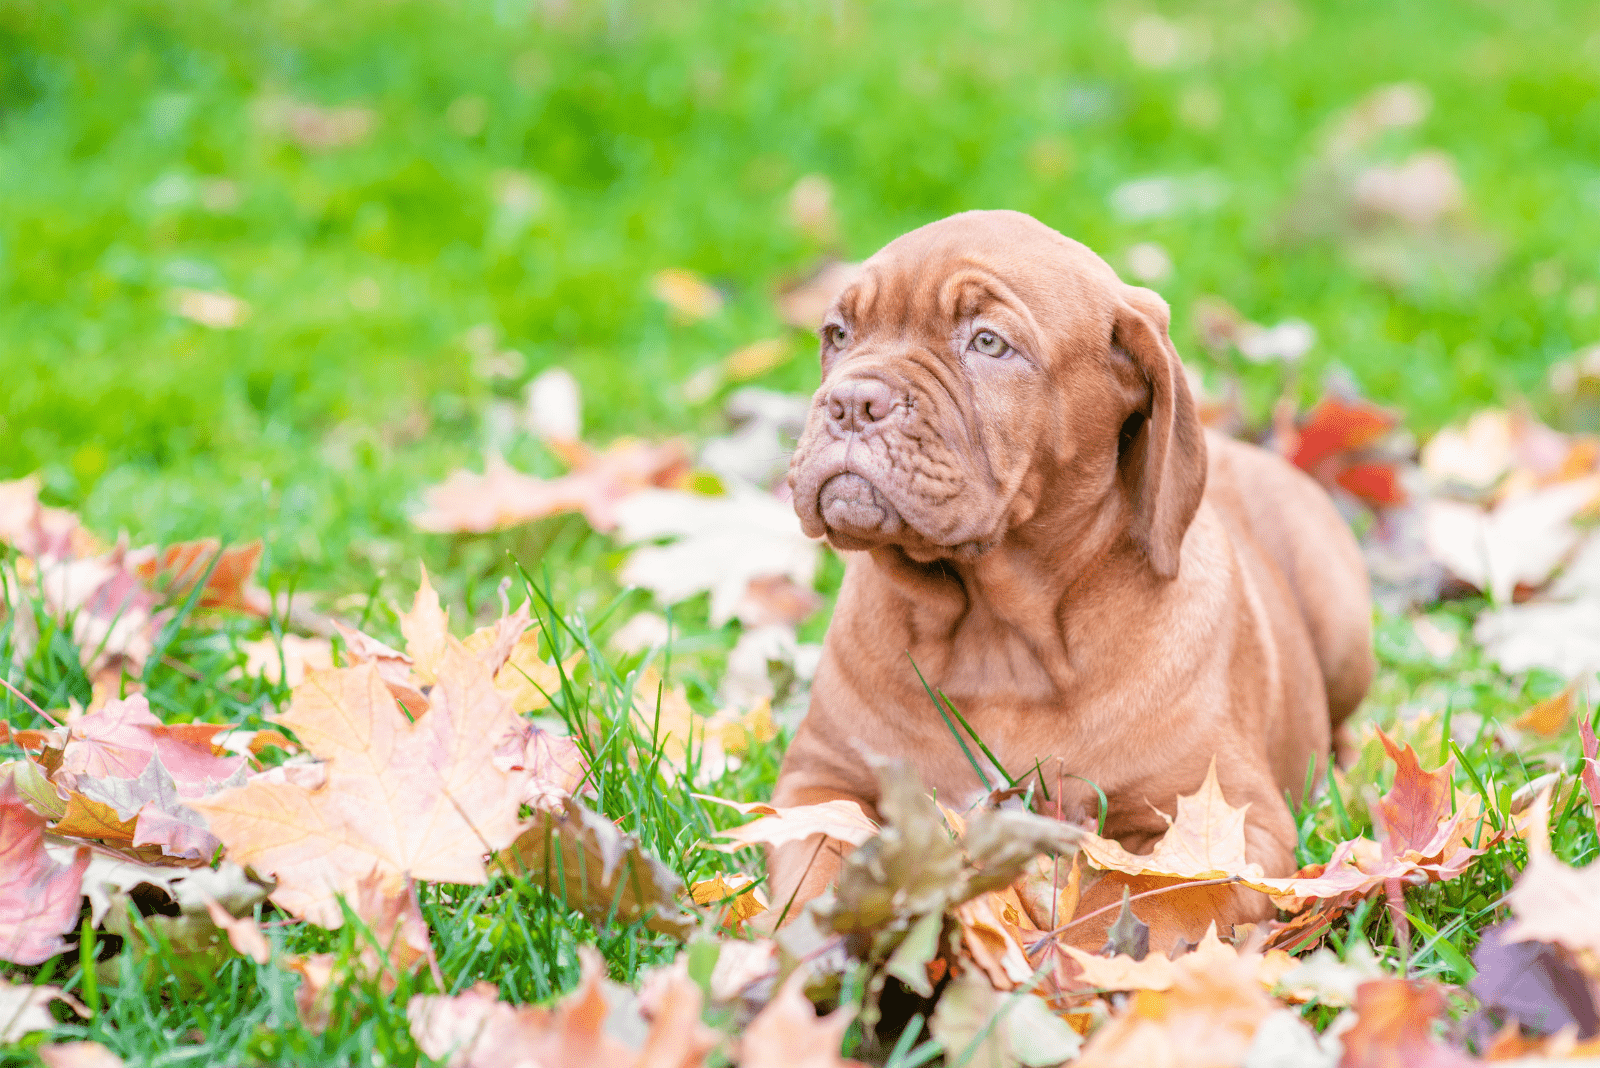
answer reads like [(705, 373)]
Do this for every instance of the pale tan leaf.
[(78, 1055), (418, 799), (841, 819), (789, 1034), (427, 630)]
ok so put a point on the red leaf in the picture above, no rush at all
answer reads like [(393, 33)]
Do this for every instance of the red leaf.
[(1337, 426), (1377, 484)]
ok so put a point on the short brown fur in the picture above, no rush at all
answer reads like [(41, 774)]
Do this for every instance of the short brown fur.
[(1106, 592)]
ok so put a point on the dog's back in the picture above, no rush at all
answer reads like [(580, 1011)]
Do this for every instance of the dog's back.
[(1291, 518)]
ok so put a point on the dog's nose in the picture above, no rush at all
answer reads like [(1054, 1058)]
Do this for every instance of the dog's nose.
[(857, 403)]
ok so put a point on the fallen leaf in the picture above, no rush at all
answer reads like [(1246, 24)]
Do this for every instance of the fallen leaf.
[(1394, 1028), (844, 820), (38, 531), (1208, 1016), (427, 631), (1549, 717), (219, 311), (980, 1026), (1554, 903), (1534, 984), (179, 568), (243, 932), (1590, 775), (26, 1009), (689, 296), (78, 1055), (476, 1030), (418, 800), (1205, 841), (588, 862), (1521, 541), (286, 660), (723, 545), (38, 895), (502, 497), (789, 1034), (740, 895), (555, 765)]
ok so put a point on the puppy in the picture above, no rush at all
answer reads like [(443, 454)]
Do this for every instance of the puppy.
[(1005, 450)]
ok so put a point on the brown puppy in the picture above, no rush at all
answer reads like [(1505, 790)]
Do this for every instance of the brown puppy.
[(1006, 450)]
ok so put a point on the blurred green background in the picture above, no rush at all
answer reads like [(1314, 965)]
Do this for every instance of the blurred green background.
[(423, 204)]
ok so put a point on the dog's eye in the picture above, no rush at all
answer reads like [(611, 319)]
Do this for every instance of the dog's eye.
[(989, 343), (835, 335)]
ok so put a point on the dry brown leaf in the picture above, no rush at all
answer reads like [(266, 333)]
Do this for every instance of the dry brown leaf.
[(418, 800), (38, 531), (38, 896), (502, 497), (179, 568), (595, 867)]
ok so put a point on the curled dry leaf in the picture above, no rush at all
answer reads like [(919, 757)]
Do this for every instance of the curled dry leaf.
[(594, 866), (418, 799), (38, 895)]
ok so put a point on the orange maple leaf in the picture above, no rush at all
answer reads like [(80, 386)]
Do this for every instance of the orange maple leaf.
[(421, 800), (1205, 841)]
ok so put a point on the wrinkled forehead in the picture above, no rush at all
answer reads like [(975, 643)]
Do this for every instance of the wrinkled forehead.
[(982, 263)]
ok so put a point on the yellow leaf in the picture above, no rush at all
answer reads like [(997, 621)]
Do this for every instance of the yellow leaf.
[(747, 900), (1549, 717)]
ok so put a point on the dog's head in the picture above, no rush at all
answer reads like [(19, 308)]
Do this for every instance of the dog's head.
[(982, 371)]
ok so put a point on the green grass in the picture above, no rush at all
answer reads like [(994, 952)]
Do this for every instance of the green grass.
[(669, 135)]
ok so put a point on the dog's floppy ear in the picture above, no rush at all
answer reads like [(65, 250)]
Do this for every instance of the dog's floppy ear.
[(1164, 463)]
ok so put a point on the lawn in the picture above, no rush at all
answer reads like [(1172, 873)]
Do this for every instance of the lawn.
[(416, 208)]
